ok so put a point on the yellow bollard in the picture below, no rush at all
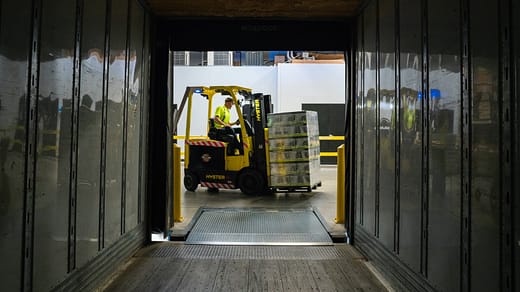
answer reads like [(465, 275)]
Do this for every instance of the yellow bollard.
[(177, 217), (340, 204)]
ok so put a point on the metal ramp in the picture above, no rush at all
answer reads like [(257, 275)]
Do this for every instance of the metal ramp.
[(258, 227)]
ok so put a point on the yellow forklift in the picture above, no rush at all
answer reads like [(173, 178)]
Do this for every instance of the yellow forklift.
[(228, 158)]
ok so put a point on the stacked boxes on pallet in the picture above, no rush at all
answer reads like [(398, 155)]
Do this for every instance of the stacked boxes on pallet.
[(294, 150)]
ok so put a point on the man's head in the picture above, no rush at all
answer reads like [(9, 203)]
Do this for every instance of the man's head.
[(229, 102)]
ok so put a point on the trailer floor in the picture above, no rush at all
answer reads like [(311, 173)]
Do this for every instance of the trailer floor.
[(272, 242), (175, 266)]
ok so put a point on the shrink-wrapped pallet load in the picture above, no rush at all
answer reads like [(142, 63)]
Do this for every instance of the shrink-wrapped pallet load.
[(294, 150)]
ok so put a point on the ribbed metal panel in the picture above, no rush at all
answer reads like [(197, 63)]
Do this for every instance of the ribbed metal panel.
[(93, 274), (258, 227), (400, 275), (251, 252)]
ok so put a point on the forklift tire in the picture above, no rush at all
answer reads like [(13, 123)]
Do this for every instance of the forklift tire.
[(191, 181), (251, 182)]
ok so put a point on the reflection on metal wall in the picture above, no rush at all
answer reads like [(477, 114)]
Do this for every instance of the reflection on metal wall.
[(14, 49), (485, 147), (89, 138), (387, 120), (439, 185), (116, 101), (359, 121), (133, 110), (54, 116), (410, 116), (444, 144), (369, 118), (57, 204)]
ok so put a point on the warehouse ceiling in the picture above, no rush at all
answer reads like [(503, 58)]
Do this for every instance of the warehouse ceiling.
[(303, 9)]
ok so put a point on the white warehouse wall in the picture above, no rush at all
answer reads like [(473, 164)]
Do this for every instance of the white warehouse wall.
[(289, 84), (309, 83)]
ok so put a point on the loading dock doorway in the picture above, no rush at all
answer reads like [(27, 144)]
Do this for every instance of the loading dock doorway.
[(180, 40), (283, 83)]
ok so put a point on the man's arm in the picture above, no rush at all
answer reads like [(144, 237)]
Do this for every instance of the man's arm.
[(220, 122)]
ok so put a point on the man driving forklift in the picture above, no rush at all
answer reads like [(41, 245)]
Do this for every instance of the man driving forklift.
[(223, 114), (223, 160), (224, 127)]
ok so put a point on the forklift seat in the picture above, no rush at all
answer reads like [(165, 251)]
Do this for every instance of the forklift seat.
[(222, 134), (225, 135), (212, 134)]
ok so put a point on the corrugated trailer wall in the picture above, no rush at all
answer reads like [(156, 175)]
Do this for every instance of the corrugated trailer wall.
[(437, 155), (73, 111)]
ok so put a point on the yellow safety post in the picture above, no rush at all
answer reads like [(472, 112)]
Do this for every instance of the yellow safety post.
[(340, 204), (177, 217)]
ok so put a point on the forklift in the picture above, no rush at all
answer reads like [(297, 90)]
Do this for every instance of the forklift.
[(228, 158)]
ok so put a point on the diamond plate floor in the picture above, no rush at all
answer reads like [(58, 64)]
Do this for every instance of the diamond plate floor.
[(258, 227)]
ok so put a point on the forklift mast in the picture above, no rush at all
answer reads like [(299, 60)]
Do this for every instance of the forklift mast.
[(258, 115)]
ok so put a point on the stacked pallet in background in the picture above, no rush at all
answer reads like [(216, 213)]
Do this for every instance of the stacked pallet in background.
[(294, 150)]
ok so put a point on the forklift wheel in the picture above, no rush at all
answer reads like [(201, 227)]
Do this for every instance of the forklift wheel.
[(191, 181), (251, 182)]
